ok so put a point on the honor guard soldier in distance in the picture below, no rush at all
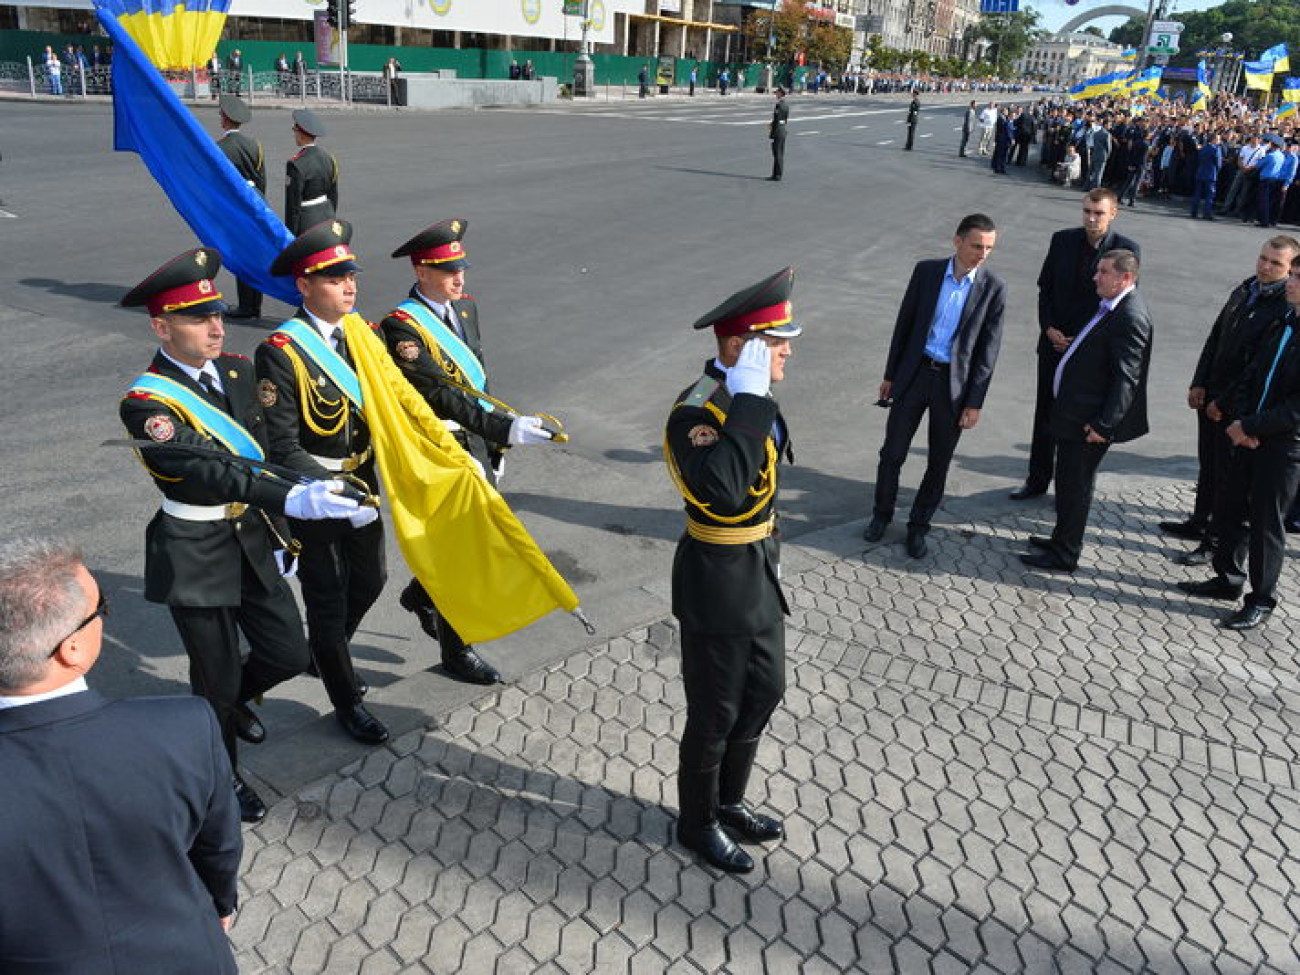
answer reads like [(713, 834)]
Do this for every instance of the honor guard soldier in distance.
[(246, 155), (434, 338), (209, 551), (311, 193), (776, 134), (724, 438), (310, 393)]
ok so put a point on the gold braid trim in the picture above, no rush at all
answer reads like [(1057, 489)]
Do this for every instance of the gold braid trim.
[(313, 403), (763, 489)]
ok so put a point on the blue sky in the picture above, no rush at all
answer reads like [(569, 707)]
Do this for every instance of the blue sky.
[(1055, 13)]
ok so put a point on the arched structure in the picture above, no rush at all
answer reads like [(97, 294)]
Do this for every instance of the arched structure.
[(1096, 13)]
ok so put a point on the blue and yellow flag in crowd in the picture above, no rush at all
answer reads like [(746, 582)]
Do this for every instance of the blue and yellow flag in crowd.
[(1277, 54), (1096, 87), (1144, 82), (1201, 94), (1291, 90), (174, 35), (1287, 110), (223, 211), (1129, 55)]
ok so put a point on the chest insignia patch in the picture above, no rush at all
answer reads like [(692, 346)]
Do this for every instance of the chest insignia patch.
[(408, 351), (703, 436), (160, 428), (267, 394)]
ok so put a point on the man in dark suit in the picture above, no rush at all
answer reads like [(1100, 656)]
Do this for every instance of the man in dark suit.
[(246, 155), (311, 194), (1251, 310), (1262, 413), (725, 438), (776, 133), (1067, 297), (434, 338), (119, 834), (310, 394), (1099, 398), (941, 359), (209, 550)]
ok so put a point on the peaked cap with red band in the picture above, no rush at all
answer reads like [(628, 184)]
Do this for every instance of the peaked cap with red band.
[(322, 249), (441, 246), (182, 286), (761, 309)]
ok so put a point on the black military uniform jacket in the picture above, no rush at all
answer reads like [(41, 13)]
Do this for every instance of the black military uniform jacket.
[(729, 466), (197, 563), (1237, 332), (1271, 413), (428, 371), (780, 116), (246, 156), (327, 425), (312, 174)]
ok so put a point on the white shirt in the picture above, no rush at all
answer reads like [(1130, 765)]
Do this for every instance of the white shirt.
[(445, 311), (18, 700), (208, 370), (327, 330)]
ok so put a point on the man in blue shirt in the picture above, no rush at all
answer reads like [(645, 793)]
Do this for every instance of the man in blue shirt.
[(1209, 159), (1269, 200), (941, 360)]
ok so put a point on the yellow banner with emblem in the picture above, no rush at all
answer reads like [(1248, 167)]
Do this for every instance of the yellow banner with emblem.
[(459, 537)]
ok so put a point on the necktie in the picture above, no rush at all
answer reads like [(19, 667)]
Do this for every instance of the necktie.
[(216, 395), (340, 344)]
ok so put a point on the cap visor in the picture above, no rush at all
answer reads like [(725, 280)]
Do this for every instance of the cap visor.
[(792, 330), (213, 307), (339, 269)]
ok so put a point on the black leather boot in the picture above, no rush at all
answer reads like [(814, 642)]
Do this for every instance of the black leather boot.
[(733, 777), (698, 828)]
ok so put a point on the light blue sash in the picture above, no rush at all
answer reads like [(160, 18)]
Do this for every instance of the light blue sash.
[(217, 422), (452, 344), (320, 352)]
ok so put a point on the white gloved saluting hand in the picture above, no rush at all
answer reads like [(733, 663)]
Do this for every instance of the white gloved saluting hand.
[(752, 372), (528, 429), (321, 499)]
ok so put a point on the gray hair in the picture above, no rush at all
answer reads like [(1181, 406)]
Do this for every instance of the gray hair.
[(40, 603), (1122, 260)]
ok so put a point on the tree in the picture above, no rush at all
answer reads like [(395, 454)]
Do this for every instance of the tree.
[(1011, 35), (1254, 24), (794, 30)]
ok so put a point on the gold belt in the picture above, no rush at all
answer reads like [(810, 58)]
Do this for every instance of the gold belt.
[(726, 535)]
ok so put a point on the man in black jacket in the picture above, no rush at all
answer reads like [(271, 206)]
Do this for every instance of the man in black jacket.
[(1250, 311), (1099, 398), (941, 358), (1067, 297), (1262, 413), (776, 133), (119, 839), (246, 155), (209, 550), (724, 440), (433, 337), (311, 193)]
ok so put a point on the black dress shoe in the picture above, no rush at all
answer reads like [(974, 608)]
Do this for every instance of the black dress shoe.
[(362, 725), (752, 826), (1216, 588), (241, 313), (1201, 555), (247, 726), (875, 529), (1193, 530), (1046, 560), (1028, 490), (1247, 618), (712, 843), (916, 544), (414, 600), (251, 807), (1041, 541), (469, 666)]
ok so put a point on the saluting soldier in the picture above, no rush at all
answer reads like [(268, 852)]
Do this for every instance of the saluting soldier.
[(246, 155), (209, 552), (434, 337), (312, 399), (311, 193), (724, 439)]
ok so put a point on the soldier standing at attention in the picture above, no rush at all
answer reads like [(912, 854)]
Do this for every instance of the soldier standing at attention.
[(724, 438), (434, 338), (311, 194), (776, 132), (913, 116), (246, 155)]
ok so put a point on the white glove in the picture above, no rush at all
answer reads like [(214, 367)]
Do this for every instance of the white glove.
[(528, 429), (318, 500), (287, 565), (499, 467), (362, 517), (752, 372)]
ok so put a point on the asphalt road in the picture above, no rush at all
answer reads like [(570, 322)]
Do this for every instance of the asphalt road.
[(597, 235)]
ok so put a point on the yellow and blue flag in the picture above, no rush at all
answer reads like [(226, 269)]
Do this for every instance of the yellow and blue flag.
[(1258, 74), (1278, 55), (1096, 87), (1145, 82), (1201, 94), (1130, 54), (1291, 90), (1287, 110), (174, 34), (223, 211)]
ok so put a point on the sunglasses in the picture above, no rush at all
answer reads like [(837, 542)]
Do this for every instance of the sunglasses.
[(101, 609)]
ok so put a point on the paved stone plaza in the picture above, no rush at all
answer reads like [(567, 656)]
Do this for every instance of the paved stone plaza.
[(982, 769)]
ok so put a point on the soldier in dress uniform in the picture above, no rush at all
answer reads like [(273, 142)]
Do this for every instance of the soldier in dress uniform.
[(246, 155), (311, 396), (209, 551), (776, 133), (724, 439), (311, 192), (434, 338)]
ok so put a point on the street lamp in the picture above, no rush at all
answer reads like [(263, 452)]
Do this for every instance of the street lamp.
[(584, 70)]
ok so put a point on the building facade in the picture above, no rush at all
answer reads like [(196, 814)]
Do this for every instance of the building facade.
[(1067, 59), (943, 28)]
